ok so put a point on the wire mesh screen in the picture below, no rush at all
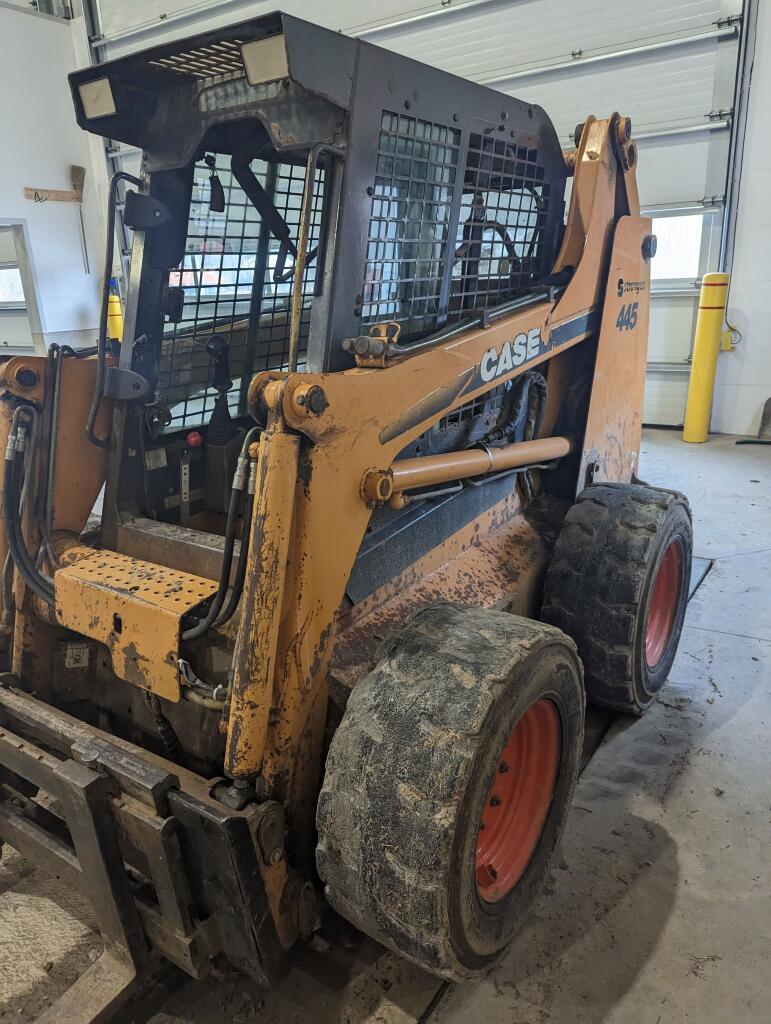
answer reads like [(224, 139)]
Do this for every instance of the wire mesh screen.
[(500, 247), (228, 275), (488, 404), (409, 226)]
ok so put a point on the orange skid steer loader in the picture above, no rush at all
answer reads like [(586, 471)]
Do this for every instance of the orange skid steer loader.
[(371, 532)]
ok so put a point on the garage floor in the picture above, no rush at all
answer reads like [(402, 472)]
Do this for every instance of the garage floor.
[(658, 911)]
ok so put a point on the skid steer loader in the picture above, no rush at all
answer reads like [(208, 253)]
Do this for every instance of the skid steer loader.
[(370, 528)]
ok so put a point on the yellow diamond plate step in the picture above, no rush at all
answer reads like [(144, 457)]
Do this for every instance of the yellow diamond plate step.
[(133, 607)]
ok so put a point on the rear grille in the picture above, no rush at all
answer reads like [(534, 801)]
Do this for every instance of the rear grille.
[(213, 62)]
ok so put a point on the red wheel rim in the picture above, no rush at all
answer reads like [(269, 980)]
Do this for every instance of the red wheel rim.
[(518, 801), (663, 604)]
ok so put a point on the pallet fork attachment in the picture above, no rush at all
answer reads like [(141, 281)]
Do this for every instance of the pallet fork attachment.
[(157, 861), (92, 865)]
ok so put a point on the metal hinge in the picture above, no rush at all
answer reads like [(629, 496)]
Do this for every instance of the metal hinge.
[(731, 19), (723, 114), (125, 385)]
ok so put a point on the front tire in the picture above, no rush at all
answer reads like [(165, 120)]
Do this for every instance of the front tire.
[(448, 784), (618, 584)]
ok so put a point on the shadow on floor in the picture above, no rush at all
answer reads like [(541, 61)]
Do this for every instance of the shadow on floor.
[(42, 912)]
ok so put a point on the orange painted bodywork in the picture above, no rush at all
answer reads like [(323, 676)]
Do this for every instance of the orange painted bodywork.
[(371, 414), (79, 473), (312, 508)]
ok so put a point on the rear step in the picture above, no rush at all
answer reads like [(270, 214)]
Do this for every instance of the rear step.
[(131, 605), (166, 867)]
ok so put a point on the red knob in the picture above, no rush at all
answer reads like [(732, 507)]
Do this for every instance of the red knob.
[(194, 439)]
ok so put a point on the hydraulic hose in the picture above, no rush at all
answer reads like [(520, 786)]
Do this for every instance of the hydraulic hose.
[(166, 731), (54, 374), (8, 601), (101, 346), (79, 353), (7, 584), (238, 583), (239, 482), (207, 621), (12, 494), (17, 547), (528, 393)]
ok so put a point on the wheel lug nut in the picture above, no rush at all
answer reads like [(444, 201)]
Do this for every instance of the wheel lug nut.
[(503, 767), (495, 801)]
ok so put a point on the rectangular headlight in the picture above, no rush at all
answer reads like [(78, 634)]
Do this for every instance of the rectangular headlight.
[(97, 98), (265, 60)]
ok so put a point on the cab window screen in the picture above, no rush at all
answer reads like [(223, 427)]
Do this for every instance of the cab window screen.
[(500, 247), (228, 276), (409, 225)]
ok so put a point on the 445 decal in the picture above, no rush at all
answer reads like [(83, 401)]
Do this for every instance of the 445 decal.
[(627, 317)]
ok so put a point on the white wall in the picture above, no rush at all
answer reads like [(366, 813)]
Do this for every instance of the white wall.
[(744, 375), (40, 142)]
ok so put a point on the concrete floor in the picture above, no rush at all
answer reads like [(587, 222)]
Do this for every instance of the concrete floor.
[(658, 911)]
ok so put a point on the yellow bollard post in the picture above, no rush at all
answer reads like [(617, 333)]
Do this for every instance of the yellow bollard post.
[(114, 313), (706, 345)]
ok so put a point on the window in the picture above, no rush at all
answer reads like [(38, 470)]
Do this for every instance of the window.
[(408, 229), (499, 248), (217, 274), (679, 247), (11, 290)]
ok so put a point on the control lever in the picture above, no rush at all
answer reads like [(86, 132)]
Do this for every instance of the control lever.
[(223, 437), (219, 350), (217, 192)]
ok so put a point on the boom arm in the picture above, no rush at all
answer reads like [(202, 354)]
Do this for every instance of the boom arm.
[(360, 420)]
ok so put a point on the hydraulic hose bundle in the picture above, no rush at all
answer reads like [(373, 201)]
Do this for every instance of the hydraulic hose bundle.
[(527, 397), (217, 614), (521, 416), (18, 461)]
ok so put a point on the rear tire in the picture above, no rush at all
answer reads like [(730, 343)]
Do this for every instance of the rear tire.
[(419, 761), (618, 584)]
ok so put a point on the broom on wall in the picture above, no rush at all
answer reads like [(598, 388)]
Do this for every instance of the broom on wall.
[(72, 195)]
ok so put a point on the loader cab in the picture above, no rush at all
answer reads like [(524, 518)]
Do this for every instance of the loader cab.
[(427, 198)]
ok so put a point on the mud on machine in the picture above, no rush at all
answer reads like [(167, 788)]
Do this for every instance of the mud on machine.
[(371, 528)]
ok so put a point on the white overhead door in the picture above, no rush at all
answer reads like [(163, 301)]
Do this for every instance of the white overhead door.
[(668, 64)]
